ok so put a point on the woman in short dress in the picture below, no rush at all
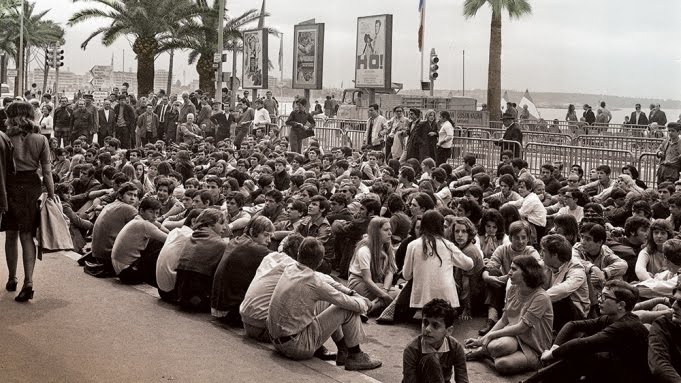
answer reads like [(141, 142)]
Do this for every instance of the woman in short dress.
[(31, 152)]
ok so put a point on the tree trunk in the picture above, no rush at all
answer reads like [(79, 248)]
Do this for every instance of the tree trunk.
[(45, 73), (204, 67), (494, 69), (170, 73), (145, 48)]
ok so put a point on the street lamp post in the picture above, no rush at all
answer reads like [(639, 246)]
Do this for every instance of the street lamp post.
[(19, 84), (220, 48)]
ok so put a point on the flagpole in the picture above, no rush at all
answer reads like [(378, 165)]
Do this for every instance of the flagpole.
[(281, 64), (423, 34)]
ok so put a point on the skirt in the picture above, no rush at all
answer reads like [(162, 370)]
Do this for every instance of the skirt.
[(23, 214)]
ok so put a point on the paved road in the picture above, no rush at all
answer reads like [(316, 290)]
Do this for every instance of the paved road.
[(82, 329)]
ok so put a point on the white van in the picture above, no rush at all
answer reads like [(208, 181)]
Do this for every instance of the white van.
[(5, 92)]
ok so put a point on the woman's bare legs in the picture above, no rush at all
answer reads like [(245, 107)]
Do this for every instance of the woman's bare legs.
[(12, 252)]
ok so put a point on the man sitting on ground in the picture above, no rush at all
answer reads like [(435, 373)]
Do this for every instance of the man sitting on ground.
[(297, 332), (664, 347)]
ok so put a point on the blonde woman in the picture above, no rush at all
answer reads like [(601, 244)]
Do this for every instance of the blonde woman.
[(373, 267)]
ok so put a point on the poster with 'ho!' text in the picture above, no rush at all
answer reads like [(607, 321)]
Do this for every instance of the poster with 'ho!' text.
[(374, 51)]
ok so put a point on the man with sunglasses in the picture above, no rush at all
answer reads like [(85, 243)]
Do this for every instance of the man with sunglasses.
[(611, 348)]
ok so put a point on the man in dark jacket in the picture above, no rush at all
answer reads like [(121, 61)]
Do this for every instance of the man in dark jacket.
[(611, 348), (347, 234), (512, 133), (125, 122), (83, 122), (589, 115), (664, 347), (63, 118)]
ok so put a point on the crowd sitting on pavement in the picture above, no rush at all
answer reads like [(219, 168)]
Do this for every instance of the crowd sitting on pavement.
[(575, 270)]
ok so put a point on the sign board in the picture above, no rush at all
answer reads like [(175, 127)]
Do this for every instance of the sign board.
[(217, 58), (373, 58), (99, 96), (471, 117), (101, 76), (256, 59), (308, 56)]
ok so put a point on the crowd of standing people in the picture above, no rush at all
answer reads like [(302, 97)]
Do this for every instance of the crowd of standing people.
[(575, 269)]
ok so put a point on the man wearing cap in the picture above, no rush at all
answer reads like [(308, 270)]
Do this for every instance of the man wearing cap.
[(589, 115), (92, 109), (512, 133), (125, 122), (83, 122), (669, 154)]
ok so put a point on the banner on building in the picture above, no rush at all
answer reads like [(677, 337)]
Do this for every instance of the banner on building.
[(308, 56), (373, 61), (255, 59)]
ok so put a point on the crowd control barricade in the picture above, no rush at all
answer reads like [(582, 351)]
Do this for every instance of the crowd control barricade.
[(636, 145), (537, 154), (476, 133), (487, 151), (574, 128), (647, 169)]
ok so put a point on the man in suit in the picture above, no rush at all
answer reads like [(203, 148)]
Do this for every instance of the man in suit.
[(125, 121), (162, 110), (512, 133), (147, 127), (657, 115), (107, 122), (638, 117)]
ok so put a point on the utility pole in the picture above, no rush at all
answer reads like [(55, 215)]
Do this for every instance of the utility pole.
[(220, 48), (463, 75), (19, 83)]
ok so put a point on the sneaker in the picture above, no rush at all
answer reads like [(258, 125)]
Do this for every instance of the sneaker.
[(361, 361), (341, 356)]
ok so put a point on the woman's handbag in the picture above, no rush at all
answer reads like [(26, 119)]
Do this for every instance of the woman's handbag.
[(53, 233)]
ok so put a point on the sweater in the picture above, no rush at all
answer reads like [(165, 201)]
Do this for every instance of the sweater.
[(664, 350), (202, 253), (453, 359)]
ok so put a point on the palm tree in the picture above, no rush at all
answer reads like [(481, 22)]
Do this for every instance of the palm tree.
[(199, 35), (145, 20), (38, 32), (515, 9)]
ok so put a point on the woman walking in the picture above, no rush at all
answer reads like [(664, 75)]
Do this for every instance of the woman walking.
[(31, 152)]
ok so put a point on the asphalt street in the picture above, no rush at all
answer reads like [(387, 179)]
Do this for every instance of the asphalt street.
[(82, 329)]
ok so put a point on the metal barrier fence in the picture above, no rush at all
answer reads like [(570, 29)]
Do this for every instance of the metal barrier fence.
[(636, 145), (537, 154), (647, 169), (579, 128)]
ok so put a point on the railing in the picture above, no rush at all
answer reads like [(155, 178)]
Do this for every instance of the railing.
[(487, 151), (636, 145), (537, 154), (579, 128), (647, 169)]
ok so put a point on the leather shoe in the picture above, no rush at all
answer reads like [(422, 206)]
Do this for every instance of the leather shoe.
[(25, 294), (324, 354), (11, 285), (361, 361), (341, 356)]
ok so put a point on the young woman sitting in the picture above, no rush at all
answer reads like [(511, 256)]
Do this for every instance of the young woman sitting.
[(472, 293)]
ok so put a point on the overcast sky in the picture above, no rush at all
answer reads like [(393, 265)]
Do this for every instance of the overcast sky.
[(617, 47)]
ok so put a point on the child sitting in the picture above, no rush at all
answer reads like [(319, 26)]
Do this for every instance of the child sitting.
[(432, 355)]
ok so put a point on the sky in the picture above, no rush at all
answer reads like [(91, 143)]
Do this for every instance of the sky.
[(615, 47)]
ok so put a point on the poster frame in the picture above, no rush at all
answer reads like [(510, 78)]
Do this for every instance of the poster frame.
[(387, 49), (319, 53), (264, 60)]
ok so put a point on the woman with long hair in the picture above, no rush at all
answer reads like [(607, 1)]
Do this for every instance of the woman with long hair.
[(651, 259), (525, 330), (21, 220), (130, 171), (425, 136), (472, 293), (373, 267), (491, 232), (445, 139), (76, 160)]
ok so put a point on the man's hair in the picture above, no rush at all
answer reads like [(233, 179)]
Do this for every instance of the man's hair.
[(311, 253), (624, 292), (558, 245), (667, 185), (518, 226), (519, 163), (126, 187), (374, 107), (163, 181), (507, 179), (632, 224), (439, 309), (672, 251), (373, 207), (394, 203), (675, 199), (237, 197), (213, 178), (408, 173), (548, 167), (339, 198), (299, 206), (323, 203), (150, 203), (596, 231), (604, 168), (275, 194)]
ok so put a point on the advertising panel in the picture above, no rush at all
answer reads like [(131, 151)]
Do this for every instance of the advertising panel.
[(255, 59), (373, 60), (308, 56)]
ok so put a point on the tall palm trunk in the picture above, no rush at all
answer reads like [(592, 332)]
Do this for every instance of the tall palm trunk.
[(145, 49), (494, 69), (170, 73), (45, 73), (204, 67)]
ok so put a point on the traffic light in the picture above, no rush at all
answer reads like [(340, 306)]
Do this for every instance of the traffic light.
[(54, 56), (434, 60)]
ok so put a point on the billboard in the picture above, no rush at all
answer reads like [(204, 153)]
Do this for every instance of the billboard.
[(308, 56), (255, 59), (373, 60)]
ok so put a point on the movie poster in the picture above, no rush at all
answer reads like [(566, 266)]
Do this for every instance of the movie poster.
[(255, 59), (374, 52), (308, 56)]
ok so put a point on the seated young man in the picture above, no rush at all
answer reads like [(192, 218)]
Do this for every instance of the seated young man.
[(110, 222), (297, 331), (567, 285), (599, 261), (137, 246), (611, 348), (347, 234), (664, 343), (432, 355)]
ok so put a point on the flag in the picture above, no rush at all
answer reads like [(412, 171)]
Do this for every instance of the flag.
[(261, 21), (531, 107), (422, 23), (281, 51)]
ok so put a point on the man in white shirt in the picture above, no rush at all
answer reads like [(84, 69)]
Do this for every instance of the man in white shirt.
[(377, 127), (262, 116)]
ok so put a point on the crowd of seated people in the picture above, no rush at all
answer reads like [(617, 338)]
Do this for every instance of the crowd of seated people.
[(300, 248)]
